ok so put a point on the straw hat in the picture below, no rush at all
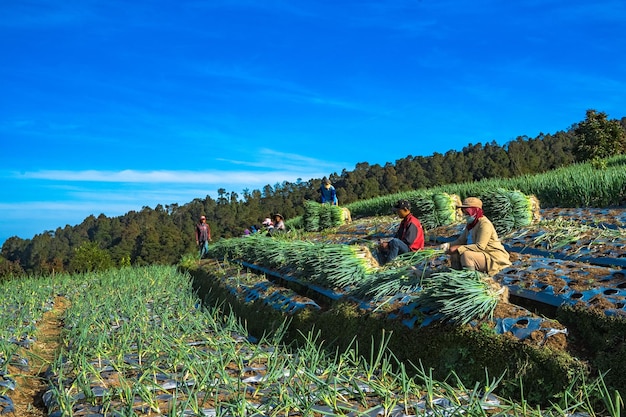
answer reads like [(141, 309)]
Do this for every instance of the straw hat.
[(471, 202)]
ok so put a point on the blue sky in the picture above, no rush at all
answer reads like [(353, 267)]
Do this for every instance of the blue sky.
[(110, 106)]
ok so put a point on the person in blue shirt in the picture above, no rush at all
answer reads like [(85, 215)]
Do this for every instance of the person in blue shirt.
[(329, 195)]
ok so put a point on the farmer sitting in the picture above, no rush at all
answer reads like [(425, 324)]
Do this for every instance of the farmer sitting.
[(409, 237), (478, 247)]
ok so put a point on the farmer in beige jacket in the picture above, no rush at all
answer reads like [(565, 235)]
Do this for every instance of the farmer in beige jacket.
[(478, 247)]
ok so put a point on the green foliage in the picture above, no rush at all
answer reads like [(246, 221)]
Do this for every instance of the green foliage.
[(89, 257), (578, 185), (188, 260), (598, 138), (602, 338), (125, 261), (9, 269)]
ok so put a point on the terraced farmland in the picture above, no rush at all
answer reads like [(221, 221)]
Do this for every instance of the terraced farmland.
[(566, 311), (263, 341)]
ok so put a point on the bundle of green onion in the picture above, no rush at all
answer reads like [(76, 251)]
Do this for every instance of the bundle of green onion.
[(509, 210), (461, 296), (389, 282), (321, 216), (311, 216), (336, 216), (325, 220), (497, 207), (423, 207), (338, 266), (522, 209), (446, 208), (402, 275), (434, 210)]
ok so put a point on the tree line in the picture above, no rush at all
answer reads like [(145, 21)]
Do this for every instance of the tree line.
[(163, 234)]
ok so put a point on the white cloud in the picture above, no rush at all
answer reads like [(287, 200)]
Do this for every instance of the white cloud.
[(243, 178), (269, 167), (30, 209)]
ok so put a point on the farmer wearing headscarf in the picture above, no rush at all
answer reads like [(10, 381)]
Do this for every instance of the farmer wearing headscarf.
[(478, 247)]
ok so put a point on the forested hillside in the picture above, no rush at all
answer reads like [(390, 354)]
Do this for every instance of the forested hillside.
[(163, 234)]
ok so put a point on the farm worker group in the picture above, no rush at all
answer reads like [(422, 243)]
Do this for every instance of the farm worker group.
[(478, 247)]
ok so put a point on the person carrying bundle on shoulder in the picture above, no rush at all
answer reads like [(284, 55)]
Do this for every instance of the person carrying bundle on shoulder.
[(408, 238), (478, 247)]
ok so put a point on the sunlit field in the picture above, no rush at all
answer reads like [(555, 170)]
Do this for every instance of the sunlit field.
[(138, 342)]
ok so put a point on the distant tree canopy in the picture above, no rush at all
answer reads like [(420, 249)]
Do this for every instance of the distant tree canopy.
[(163, 234), (597, 137)]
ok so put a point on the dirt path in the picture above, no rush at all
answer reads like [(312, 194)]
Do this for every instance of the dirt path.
[(31, 386)]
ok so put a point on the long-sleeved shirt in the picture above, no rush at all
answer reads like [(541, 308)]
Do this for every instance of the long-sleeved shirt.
[(329, 195), (410, 232), (203, 232), (484, 238)]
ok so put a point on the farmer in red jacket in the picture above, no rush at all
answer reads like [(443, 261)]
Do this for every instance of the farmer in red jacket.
[(409, 237)]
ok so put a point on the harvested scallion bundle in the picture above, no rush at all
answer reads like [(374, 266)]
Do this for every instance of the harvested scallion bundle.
[(340, 266), (312, 216), (336, 216), (461, 296), (423, 207), (414, 258), (559, 232), (403, 275), (325, 215), (445, 208), (321, 216), (388, 282), (509, 210), (332, 265)]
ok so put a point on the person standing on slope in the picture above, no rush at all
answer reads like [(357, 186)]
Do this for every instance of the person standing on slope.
[(203, 236)]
